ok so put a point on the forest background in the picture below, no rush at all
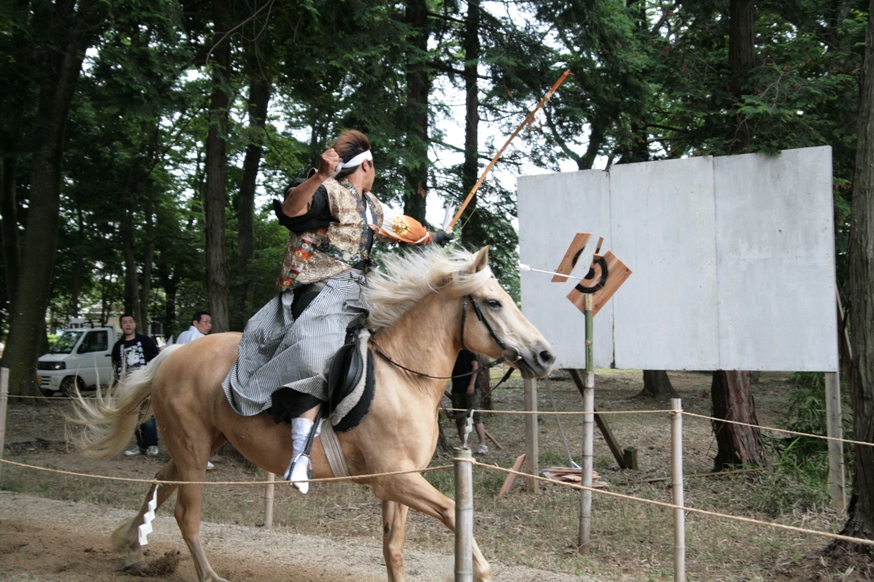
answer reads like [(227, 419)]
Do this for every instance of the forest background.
[(136, 135)]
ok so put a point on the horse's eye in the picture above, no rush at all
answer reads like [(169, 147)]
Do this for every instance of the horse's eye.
[(493, 303)]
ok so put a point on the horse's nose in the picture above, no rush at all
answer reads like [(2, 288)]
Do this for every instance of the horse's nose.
[(545, 358)]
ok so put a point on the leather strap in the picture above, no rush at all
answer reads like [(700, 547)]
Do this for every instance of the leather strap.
[(331, 445)]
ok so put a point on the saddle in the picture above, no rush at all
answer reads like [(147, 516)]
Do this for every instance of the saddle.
[(350, 381)]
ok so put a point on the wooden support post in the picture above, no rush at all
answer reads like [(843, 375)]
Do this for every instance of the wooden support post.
[(494, 442), (834, 429), (463, 515), (630, 456), (4, 399), (677, 489), (602, 425), (268, 498), (585, 532), (531, 446)]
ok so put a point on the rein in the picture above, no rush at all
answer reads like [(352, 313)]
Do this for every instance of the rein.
[(507, 354)]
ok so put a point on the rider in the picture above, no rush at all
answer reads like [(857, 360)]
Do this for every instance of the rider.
[(332, 218)]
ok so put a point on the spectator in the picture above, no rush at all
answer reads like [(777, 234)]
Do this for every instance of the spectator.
[(466, 389), (132, 352), (201, 325)]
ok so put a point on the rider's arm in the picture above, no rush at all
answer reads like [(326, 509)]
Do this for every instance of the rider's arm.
[(297, 199)]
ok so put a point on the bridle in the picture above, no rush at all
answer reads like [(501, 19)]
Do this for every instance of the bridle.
[(507, 354)]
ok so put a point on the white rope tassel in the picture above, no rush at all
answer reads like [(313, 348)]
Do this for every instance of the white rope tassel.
[(145, 529), (468, 428)]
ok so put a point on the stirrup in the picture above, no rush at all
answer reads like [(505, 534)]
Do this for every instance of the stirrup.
[(299, 470)]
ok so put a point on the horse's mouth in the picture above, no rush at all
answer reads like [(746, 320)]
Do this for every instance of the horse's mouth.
[(535, 364)]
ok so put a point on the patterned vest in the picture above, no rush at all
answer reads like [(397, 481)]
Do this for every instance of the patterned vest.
[(319, 254)]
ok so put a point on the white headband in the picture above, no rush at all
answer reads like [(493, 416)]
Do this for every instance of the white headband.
[(356, 161)]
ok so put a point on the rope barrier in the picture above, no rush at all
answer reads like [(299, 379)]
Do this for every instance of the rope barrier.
[(597, 412), (816, 436), (444, 467), (571, 413), (163, 482), (687, 509)]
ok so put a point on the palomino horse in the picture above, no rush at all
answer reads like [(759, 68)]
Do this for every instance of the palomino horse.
[(417, 302)]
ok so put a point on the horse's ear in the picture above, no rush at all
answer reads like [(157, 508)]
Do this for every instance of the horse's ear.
[(481, 261)]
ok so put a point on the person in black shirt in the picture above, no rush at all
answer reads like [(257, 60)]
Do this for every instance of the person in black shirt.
[(132, 352), (466, 395)]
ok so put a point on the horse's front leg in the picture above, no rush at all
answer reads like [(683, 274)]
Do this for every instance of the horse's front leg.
[(394, 522), (414, 491)]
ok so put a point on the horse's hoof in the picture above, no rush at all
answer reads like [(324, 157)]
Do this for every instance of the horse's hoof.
[(135, 567)]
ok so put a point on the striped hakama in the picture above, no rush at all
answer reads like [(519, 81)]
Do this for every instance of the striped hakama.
[(278, 351)]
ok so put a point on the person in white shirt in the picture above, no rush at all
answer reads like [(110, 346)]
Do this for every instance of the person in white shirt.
[(201, 325)]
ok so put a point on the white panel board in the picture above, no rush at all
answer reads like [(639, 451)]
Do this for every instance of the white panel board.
[(732, 260), (556, 207), (775, 240), (663, 224)]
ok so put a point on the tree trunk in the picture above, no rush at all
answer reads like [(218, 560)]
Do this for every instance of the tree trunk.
[(730, 391), (741, 55), (131, 277), (656, 384), (732, 400), (418, 88), (470, 168), (860, 522), (9, 213), (259, 98), (148, 259), (62, 68), (78, 261), (215, 197)]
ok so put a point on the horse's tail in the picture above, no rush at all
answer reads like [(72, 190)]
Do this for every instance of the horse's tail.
[(100, 427)]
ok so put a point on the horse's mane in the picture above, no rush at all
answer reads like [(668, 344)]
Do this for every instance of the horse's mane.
[(405, 279)]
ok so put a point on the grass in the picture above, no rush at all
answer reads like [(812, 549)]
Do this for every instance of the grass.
[(631, 541)]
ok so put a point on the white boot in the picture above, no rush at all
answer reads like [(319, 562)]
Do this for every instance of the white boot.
[(301, 467)]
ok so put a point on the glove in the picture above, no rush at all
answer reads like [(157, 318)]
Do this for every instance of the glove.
[(441, 238)]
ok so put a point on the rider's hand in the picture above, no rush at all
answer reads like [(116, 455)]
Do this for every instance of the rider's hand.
[(328, 163), (441, 238)]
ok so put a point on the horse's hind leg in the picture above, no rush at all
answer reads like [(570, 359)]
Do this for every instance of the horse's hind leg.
[(125, 539), (394, 521), (414, 491), (188, 518)]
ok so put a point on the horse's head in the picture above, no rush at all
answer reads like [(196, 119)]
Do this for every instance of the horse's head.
[(492, 325), (470, 299)]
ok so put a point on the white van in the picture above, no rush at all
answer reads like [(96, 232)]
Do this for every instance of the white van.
[(81, 356)]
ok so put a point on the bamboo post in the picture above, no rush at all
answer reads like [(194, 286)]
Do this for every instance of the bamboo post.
[(836, 484), (677, 489), (531, 444), (4, 398), (585, 533), (463, 515), (268, 501)]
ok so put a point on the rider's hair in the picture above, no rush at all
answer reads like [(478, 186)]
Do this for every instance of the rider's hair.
[(123, 315), (349, 144), (199, 314)]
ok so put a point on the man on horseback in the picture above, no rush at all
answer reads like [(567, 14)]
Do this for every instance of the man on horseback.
[(287, 347)]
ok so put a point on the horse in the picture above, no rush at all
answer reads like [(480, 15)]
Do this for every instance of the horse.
[(419, 317)]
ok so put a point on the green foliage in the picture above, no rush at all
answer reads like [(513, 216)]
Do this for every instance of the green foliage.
[(800, 478), (650, 80)]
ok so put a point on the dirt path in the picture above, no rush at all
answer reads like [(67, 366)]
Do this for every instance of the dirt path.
[(61, 541)]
